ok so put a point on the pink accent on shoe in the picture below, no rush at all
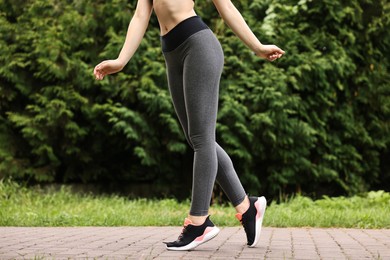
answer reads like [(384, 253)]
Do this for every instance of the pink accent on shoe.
[(257, 205), (239, 216), (207, 230)]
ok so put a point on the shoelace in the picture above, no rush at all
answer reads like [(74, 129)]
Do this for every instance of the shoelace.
[(184, 230)]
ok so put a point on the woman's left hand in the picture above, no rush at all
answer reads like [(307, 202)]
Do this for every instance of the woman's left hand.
[(270, 52)]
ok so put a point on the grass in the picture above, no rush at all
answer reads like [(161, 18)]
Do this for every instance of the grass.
[(20, 206), (369, 211)]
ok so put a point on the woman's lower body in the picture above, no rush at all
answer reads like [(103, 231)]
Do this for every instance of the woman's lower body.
[(194, 60)]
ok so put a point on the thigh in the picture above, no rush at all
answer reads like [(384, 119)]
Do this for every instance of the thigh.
[(202, 72), (176, 90)]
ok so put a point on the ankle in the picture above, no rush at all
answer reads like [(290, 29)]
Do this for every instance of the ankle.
[(243, 206), (197, 220)]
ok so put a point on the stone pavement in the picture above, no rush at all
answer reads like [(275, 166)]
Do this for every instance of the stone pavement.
[(146, 243)]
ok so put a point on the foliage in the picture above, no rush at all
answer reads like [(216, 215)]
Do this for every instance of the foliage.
[(58, 124), (316, 121), (20, 206)]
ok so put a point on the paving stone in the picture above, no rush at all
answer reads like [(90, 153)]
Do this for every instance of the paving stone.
[(146, 243)]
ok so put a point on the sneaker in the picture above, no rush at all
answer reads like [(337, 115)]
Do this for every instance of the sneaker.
[(252, 219), (193, 236)]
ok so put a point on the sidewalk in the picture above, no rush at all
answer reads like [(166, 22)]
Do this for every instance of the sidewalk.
[(146, 243)]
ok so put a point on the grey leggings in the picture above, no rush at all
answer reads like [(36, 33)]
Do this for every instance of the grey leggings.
[(194, 69)]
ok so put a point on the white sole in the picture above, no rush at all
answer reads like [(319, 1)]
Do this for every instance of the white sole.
[(261, 205), (210, 235)]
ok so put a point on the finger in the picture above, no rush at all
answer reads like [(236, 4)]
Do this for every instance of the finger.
[(278, 50), (98, 75), (273, 56), (276, 55)]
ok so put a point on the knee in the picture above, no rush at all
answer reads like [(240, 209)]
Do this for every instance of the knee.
[(201, 141)]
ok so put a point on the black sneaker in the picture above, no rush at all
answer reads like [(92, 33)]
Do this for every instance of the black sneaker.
[(252, 219), (192, 236)]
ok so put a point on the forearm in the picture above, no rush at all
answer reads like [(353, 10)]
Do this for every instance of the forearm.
[(237, 24), (135, 33)]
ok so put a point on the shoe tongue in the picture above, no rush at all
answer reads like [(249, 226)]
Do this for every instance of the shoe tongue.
[(187, 222), (239, 216)]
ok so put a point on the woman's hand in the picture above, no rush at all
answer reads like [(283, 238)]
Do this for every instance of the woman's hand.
[(270, 52), (107, 67)]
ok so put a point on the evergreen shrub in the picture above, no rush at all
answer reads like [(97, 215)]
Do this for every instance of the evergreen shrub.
[(315, 121)]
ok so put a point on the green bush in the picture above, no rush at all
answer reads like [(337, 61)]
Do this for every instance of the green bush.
[(58, 123), (316, 121)]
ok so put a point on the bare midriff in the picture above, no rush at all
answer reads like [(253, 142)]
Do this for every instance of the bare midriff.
[(171, 12)]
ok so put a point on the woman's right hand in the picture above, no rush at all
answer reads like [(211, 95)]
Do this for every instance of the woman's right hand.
[(107, 67)]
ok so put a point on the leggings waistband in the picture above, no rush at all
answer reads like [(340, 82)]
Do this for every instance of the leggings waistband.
[(181, 32)]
